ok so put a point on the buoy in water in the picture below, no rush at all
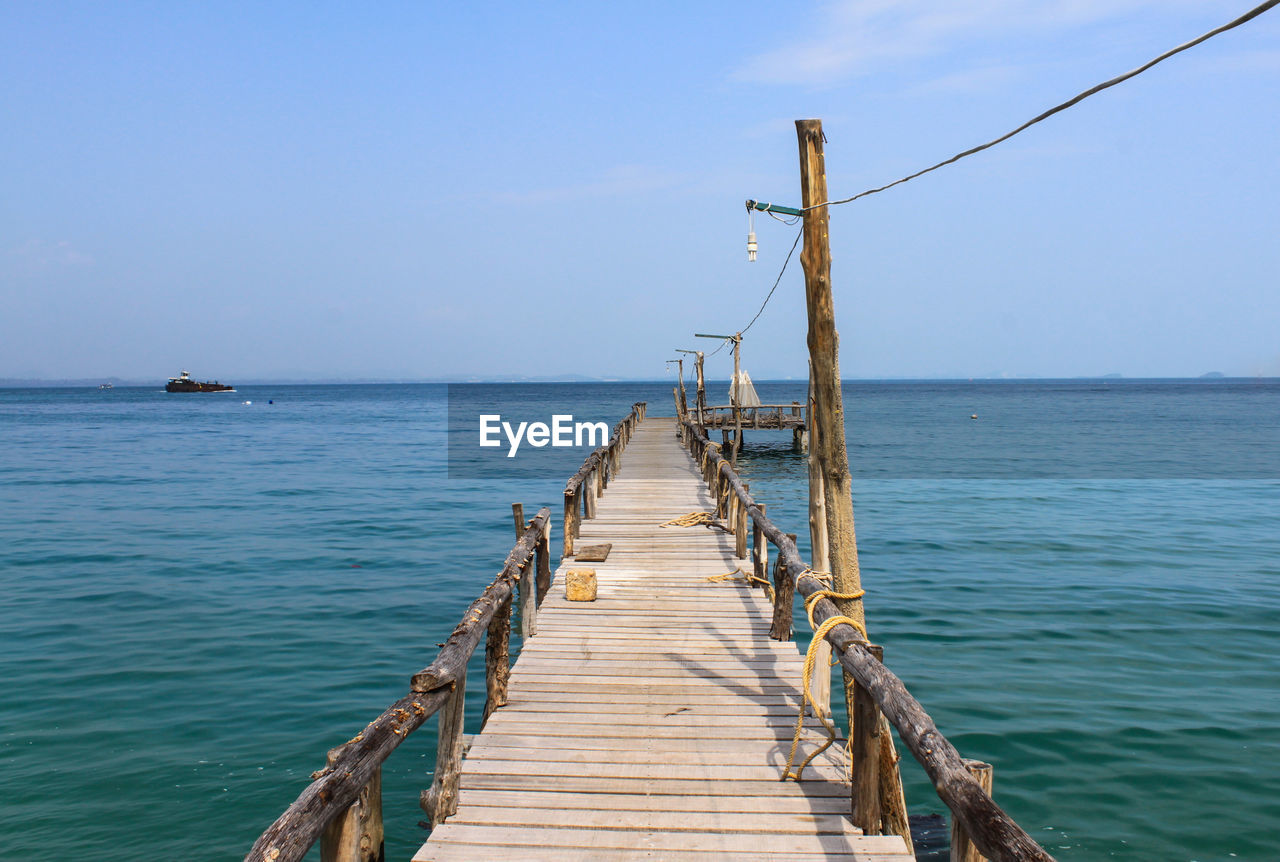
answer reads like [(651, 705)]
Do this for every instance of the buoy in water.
[(973, 416), (246, 403)]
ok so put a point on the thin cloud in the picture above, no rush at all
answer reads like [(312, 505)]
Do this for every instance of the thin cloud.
[(37, 256), (855, 37)]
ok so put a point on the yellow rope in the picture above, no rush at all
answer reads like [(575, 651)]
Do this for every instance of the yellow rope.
[(810, 658), (812, 602), (692, 519), (748, 577)]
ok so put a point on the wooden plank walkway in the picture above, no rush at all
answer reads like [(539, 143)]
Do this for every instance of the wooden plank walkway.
[(655, 722)]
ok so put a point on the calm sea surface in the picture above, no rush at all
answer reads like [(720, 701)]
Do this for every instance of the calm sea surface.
[(199, 597)]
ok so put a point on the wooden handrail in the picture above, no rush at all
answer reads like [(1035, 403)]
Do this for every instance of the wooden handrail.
[(996, 835), (352, 765), (711, 407), (441, 687), (457, 650), (584, 486), (621, 436)]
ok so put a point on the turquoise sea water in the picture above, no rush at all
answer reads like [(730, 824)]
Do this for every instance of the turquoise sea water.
[(198, 597)]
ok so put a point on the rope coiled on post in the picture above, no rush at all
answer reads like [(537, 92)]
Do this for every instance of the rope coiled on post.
[(810, 658)]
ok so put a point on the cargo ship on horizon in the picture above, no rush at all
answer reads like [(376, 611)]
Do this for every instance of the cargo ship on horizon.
[(184, 383)]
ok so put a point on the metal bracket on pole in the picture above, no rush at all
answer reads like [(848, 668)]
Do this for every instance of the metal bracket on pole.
[(774, 208)]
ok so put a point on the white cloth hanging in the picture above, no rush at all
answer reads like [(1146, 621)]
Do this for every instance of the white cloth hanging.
[(742, 392)]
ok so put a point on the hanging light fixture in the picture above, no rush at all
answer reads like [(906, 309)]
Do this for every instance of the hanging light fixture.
[(752, 248)]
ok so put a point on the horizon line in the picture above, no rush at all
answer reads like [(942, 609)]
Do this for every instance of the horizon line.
[(83, 382)]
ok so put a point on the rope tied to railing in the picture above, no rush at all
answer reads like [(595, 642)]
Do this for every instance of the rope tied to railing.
[(810, 659)]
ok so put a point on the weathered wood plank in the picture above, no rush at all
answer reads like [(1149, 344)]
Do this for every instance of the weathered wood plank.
[(656, 840)]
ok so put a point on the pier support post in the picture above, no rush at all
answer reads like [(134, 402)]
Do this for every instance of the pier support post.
[(864, 751), (543, 554), (740, 527), (528, 601), (590, 489), (760, 549), (517, 515), (356, 834), (784, 597), (497, 660), (962, 849), (440, 800), (570, 520), (893, 802)]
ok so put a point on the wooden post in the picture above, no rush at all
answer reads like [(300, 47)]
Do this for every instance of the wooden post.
[(962, 849), (517, 513), (715, 486), (759, 549), (355, 835), (589, 490), (543, 554), (682, 406), (864, 750), (702, 388), (784, 597), (820, 560), (441, 799), (497, 660), (893, 802), (826, 426), (528, 601), (737, 402), (570, 517), (740, 529)]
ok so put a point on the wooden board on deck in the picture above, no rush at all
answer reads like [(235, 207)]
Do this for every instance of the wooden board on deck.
[(592, 553)]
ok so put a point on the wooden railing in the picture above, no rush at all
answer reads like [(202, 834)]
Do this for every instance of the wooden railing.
[(584, 487), (342, 806), (976, 818), (760, 416)]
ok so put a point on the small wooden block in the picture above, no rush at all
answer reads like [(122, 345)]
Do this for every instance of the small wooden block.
[(580, 585), (593, 553)]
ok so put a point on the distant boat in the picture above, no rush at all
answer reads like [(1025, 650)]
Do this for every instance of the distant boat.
[(105, 386), (184, 383)]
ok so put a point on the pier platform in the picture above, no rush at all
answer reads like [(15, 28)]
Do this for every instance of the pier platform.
[(654, 722)]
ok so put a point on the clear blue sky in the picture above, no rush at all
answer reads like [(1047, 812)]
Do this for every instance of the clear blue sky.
[(422, 190)]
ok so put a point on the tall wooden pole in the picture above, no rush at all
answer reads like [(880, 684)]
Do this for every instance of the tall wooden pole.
[(826, 421), (737, 402), (826, 435), (702, 389), (684, 405)]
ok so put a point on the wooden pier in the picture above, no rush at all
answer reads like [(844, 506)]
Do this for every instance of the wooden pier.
[(656, 721)]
